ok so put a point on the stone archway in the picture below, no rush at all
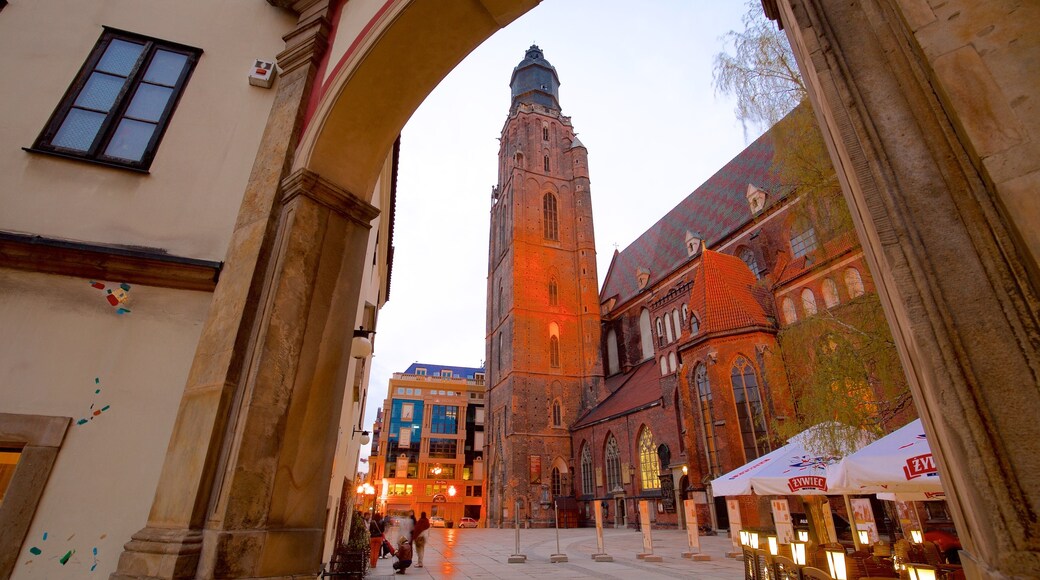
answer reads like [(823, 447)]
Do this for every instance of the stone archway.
[(939, 182)]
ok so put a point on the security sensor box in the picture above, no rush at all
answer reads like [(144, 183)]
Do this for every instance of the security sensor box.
[(262, 74)]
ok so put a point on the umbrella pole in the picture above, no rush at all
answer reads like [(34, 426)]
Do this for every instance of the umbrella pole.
[(852, 521)]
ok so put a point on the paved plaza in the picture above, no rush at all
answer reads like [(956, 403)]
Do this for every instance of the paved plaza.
[(484, 553)]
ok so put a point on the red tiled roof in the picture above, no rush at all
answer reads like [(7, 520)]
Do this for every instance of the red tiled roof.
[(633, 390), (726, 295)]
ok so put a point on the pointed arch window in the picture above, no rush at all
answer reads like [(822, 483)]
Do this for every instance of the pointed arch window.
[(545, 161), (748, 257), (588, 480), (695, 324), (680, 420), (649, 465), (550, 219), (790, 314), (854, 283), (612, 460), (545, 133), (664, 366), (646, 339), (554, 292), (676, 324), (685, 313), (557, 413), (808, 302), (830, 293), (556, 482), (707, 410), (612, 353), (554, 352), (750, 411), (668, 328)]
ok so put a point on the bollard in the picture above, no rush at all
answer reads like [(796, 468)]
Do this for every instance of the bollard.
[(557, 557), (517, 557)]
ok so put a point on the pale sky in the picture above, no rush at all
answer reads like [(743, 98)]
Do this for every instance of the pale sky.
[(635, 80)]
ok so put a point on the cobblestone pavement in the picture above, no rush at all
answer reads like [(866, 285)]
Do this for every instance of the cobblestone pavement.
[(484, 553)]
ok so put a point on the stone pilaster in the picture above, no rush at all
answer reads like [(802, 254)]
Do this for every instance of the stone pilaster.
[(269, 515), (171, 544), (909, 143)]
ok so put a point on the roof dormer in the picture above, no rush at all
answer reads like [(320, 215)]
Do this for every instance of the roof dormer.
[(694, 241), (756, 198), (642, 277)]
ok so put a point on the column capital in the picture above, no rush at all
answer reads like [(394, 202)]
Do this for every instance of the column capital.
[(304, 182), (306, 43)]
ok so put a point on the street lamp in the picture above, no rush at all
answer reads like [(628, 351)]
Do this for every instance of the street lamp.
[(366, 489), (436, 470), (452, 491), (361, 344)]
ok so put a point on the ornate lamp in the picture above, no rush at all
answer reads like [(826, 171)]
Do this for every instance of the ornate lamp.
[(361, 345), (836, 563), (774, 545), (916, 536), (921, 572), (744, 539), (864, 537), (803, 536), (753, 539), (798, 553)]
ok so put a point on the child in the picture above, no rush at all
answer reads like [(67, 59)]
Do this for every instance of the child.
[(404, 555)]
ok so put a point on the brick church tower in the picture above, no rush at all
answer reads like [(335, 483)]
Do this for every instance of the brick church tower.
[(543, 321)]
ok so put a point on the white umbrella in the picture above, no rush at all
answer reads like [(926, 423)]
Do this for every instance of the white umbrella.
[(900, 463), (791, 470)]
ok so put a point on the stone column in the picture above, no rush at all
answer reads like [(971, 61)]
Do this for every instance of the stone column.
[(171, 543), (924, 157)]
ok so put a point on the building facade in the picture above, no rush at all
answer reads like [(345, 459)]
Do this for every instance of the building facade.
[(129, 150), (429, 455)]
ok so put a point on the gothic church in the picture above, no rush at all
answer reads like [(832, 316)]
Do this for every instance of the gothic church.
[(669, 375)]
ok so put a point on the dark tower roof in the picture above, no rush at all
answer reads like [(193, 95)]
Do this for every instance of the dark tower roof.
[(534, 80)]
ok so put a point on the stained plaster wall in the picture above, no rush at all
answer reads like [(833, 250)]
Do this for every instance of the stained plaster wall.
[(106, 471)]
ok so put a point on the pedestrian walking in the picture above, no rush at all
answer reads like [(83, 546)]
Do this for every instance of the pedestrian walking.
[(405, 525), (375, 532), (419, 535)]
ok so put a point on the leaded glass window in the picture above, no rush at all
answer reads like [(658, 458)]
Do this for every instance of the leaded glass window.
[(750, 411), (648, 462)]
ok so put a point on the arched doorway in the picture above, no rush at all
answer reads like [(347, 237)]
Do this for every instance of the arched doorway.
[(897, 124)]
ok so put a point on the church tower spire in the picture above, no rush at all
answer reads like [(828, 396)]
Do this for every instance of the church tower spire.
[(543, 325)]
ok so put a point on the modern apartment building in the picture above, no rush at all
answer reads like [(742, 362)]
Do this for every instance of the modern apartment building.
[(428, 454)]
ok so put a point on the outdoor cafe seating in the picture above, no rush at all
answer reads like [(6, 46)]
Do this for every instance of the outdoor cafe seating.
[(834, 561)]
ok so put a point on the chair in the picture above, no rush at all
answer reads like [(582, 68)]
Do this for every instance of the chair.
[(810, 573), (784, 569), (932, 556)]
